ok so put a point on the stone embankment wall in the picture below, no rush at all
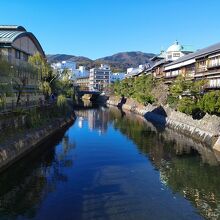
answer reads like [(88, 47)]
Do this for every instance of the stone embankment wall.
[(18, 120), (205, 130), (13, 150), (9, 121)]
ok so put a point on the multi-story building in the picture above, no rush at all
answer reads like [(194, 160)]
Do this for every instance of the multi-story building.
[(173, 53), (202, 64), (16, 46), (100, 77), (82, 82)]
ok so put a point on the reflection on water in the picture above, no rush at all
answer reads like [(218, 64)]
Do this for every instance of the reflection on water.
[(97, 119), (186, 167), (113, 165)]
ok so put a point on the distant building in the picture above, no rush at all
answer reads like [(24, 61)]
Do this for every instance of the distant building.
[(70, 66), (116, 77), (133, 72), (100, 77), (16, 44), (82, 82), (81, 72)]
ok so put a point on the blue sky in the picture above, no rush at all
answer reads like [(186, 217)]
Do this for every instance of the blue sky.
[(97, 28)]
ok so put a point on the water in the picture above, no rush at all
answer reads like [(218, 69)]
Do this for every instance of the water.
[(113, 165)]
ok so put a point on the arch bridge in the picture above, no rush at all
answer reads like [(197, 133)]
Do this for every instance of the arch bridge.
[(80, 92)]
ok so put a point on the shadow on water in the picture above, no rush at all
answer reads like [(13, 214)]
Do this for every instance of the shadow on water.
[(157, 117), (24, 185), (122, 102)]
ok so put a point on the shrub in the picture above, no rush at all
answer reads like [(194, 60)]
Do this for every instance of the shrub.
[(144, 98), (172, 101), (186, 105), (210, 102), (61, 101)]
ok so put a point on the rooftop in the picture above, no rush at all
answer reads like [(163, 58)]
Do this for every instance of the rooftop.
[(198, 54), (9, 33), (176, 47), (9, 36), (12, 27)]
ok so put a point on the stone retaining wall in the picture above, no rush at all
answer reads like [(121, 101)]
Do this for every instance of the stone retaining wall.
[(205, 130), (12, 151)]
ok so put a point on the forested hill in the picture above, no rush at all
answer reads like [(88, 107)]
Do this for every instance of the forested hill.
[(118, 62)]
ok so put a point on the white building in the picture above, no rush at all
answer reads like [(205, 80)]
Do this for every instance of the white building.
[(136, 71), (81, 72), (99, 78), (117, 77), (71, 67), (176, 50)]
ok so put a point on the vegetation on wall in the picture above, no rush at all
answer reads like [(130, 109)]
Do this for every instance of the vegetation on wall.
[(187, 96)]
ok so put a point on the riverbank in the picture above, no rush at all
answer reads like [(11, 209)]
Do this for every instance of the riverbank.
[(26, 140), (205, 130)]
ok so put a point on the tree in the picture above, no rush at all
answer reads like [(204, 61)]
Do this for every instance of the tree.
[(5, 81), (210, 102), (45, 74)]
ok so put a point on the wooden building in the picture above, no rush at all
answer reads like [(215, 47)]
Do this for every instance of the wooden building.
[(16, 46), (202, 64)]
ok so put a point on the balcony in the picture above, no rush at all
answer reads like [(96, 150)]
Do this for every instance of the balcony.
[(214, 65), (190, 73), (158, 76), (170, 76), (201, 69), (215, 86)]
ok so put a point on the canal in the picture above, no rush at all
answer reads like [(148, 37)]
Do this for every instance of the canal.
[(113, 165)]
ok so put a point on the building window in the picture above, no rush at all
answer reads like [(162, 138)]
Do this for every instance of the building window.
[(215, 61), (17, 54), (25, 57), (175, 72), (176, 54)]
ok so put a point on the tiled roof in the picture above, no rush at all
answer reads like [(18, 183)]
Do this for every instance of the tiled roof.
[(9, 36), (158, 63), (9, 33), (12, 27)]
